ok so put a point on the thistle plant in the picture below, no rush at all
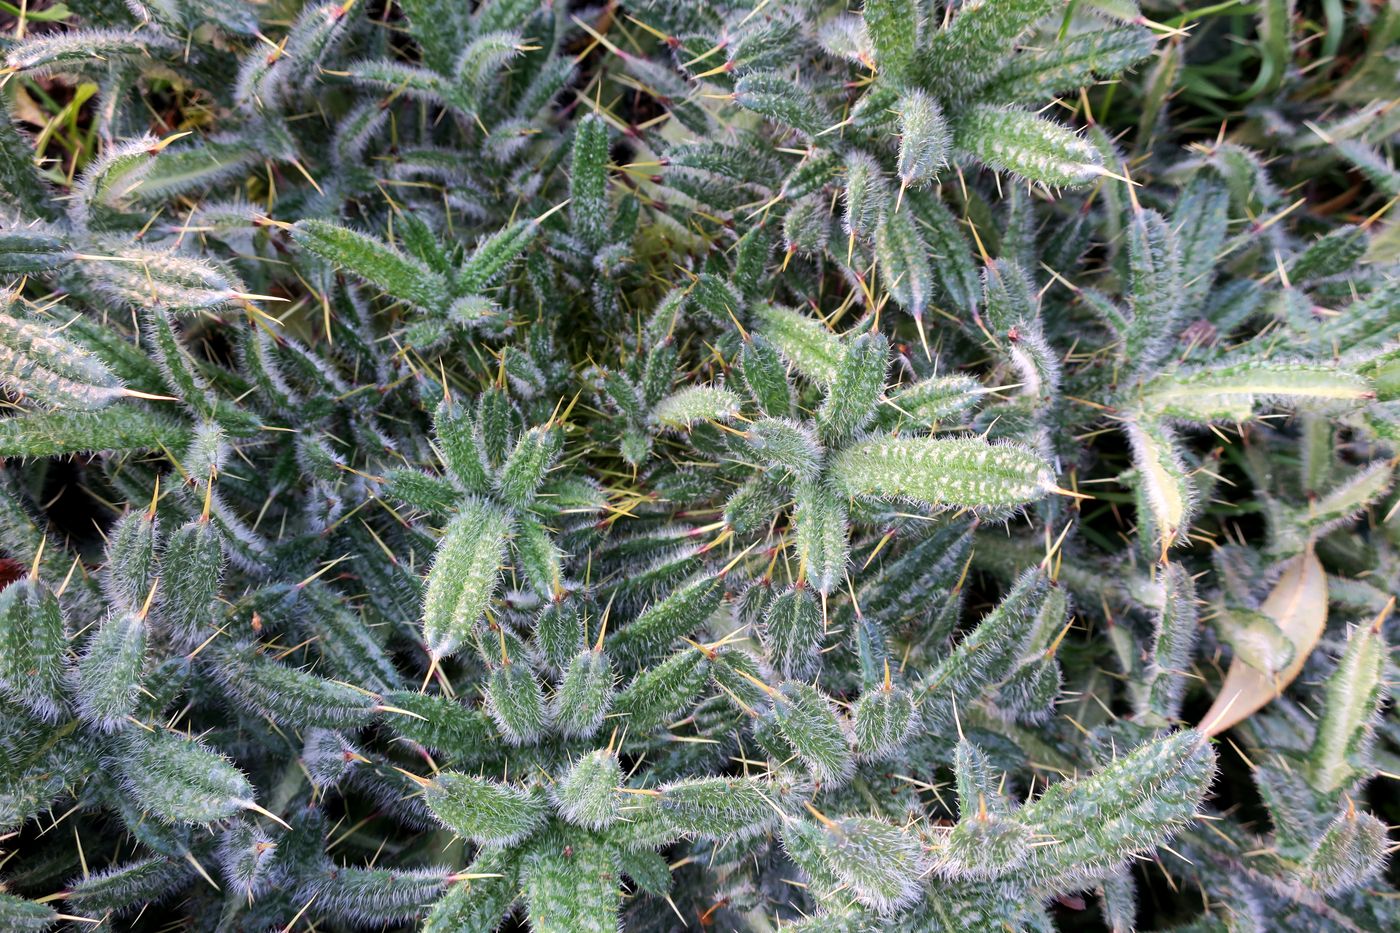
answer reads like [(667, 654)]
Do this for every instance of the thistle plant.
[(698, 465)]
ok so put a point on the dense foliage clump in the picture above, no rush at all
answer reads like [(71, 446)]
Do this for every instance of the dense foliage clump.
[(699, 464)]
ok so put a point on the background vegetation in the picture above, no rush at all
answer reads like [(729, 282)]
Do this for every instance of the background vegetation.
[(699, 465)]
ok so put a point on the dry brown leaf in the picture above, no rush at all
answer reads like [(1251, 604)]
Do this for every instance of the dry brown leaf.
[(1298, 606), (24, 108)]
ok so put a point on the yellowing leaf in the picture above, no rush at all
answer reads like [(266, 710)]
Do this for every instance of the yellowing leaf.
[(1165, 483)]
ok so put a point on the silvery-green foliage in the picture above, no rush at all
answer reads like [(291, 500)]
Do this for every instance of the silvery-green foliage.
[(35, 669), (780, 466)]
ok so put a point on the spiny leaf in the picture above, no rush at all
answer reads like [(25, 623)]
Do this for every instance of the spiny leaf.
[(181, 780), (484, 810), (463, 578), (812, 350), (33, 647), (1233, 393), (894, 32), (588, 183), (571, 884), (375, 262), (1020, 142), (941, 472), (880, 864), (1352, 697), (696, 404)]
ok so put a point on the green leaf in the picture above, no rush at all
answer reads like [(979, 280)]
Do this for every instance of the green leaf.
[(883, 718), (440, 29), (1163, 481), (111, 670), (780, 99), (867, 195), (1233, 392), (585, 694), (1130, 805), (1013, 312), (1346, 500), (539, 557), (524, 471), (1158, 287), (809, 723), (1350, 853), (812, 349), (572, 885), (904, 263), (25, 916), (441, 724), (661, 693), (1256, 639), (180, 779), (160, 281), (1336, 252), (720, 808), (935, 400), (1036, 75), (924, 139), (377, 896), (376, 262), (420, 491), (961, 472), (69, 52), (41, 363), (289, 695), (878, 864), (823, 545), (464, 575), (33, 648), (461, 447), (479, 904), (955, 272), (191, 570), (1200, 222), (1027, 615), (1027, 145), (696, 404), (483, 810), (807, 227), (860, 379), (411, 81), (18, 177), (494, 254), (176, 171), (682, 612), (986, 847), (586, 795), (792, 632), (504, 14), (515, 701), (894, 32), (588, 182), (715, 297), (1173, 640), (963, 56), (30, 251), (1352, 698), (761, 370), (127, 886), (483, 59), (789, 448), (130, 569)]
